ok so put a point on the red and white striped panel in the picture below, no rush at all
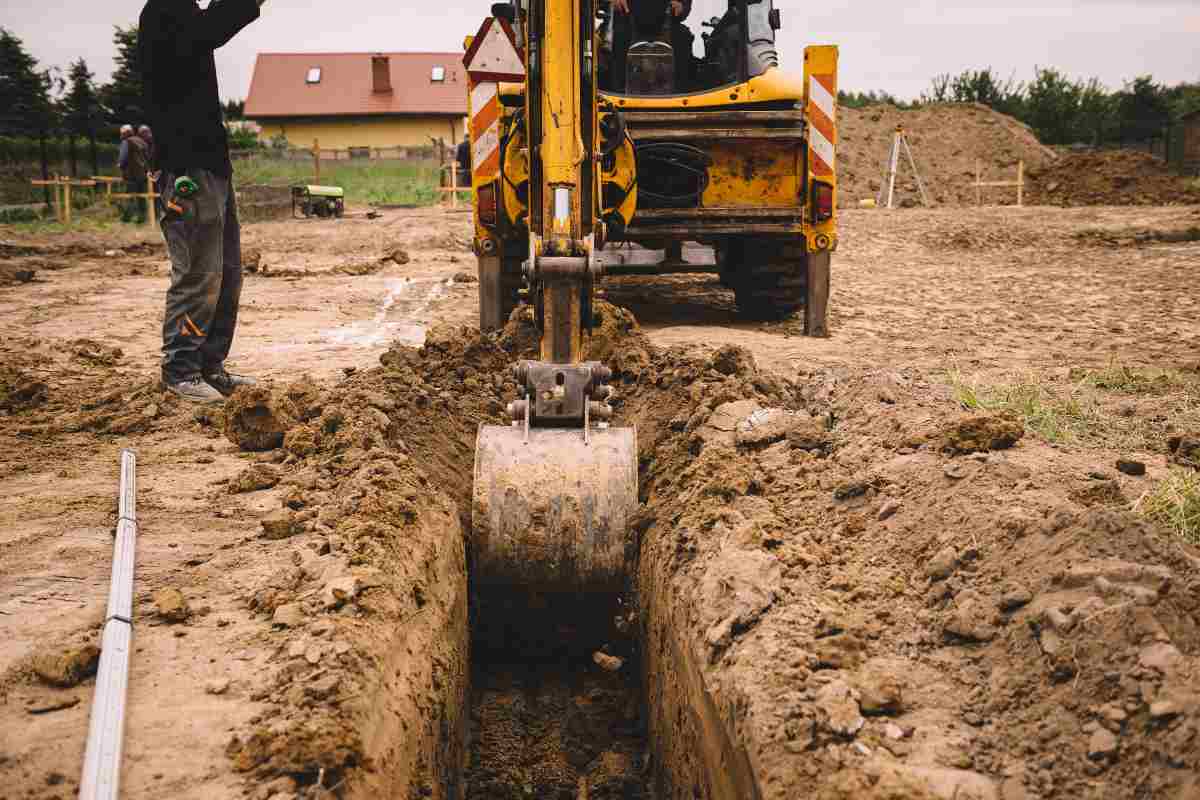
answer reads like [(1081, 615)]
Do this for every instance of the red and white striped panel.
[(485, 130), (822, 127)]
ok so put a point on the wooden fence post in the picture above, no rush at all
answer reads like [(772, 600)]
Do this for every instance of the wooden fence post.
[(317, 159), (1020, 183)]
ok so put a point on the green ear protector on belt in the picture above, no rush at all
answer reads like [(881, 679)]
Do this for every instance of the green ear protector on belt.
[(185, 188)]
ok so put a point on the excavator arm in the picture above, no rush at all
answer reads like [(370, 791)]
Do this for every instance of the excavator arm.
[(555, 490)]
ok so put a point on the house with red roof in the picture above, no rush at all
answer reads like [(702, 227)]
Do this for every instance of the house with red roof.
[(359, 100)]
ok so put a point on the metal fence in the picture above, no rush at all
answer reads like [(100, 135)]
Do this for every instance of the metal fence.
[(1178, 146), (422, 153)]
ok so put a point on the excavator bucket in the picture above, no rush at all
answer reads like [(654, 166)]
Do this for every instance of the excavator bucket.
[(551, 510)]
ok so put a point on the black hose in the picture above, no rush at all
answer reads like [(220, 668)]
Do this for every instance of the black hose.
[(659, 158)]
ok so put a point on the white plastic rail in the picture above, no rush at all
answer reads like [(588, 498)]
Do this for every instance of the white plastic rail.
[(102, 763)]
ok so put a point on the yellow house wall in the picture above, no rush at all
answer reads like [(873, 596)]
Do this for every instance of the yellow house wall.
[(339, 134)]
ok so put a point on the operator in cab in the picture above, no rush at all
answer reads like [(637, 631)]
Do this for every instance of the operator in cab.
[(650, 20)]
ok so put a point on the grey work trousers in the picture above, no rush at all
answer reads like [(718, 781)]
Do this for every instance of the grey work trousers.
[(204, 242)]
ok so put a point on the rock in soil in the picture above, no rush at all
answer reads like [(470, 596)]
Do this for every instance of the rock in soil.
[(68, 666), (253, 478), (768, 425), (1103, 744), (279, 524), (943, 564), (838, 708), (607, 662), (289, 615), (1130, 467), (171, 605), (880, 693), (971, 619)]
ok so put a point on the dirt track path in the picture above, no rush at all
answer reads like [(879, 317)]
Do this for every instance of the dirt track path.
[(990, 291)]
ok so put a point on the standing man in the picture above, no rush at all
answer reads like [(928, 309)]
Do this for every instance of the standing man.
[(134, 162), (176, 40), (146, 135)]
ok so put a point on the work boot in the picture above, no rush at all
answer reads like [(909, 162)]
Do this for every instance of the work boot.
[(195, 390), (225, 382)]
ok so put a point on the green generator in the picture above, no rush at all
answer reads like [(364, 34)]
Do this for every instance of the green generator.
[(320, 201)]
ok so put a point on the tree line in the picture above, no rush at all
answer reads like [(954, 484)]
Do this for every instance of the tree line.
[(47, 107), (1059, 109), (45, 113)]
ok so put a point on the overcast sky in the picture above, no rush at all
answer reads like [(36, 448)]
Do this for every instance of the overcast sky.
[(895, 46)]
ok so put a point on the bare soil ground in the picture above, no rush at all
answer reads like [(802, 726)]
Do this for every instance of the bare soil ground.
[(900, 562)]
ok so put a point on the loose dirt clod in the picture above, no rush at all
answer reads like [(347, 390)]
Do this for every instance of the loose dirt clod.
[(254, 419), (65, 666), (980, 433), (254, 478), (171, 605), (20, 391)]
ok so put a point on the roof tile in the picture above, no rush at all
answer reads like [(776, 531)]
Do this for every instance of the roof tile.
[(278, 88)]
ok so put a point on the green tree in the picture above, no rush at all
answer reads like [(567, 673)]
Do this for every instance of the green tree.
[(1183, 99), (984, 87), (82, 112), (1143, 110), (870, 98), (1097, 113), (122, 96), (939, 89), (1052, 106), (235, 110), (25, 105)]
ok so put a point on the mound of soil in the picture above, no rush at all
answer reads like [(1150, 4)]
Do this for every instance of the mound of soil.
[(946, 140), (845, 590), (919, 646), (1110, 178)]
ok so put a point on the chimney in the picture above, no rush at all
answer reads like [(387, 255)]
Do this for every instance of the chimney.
[(381, 74)]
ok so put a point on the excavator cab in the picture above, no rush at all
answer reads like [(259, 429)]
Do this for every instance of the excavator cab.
[(588, 131)]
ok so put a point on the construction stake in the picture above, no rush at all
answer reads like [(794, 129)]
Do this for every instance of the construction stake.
[(102, 762), (981, 184)]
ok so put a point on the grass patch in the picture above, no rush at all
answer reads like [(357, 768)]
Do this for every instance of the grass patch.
[(1043, 410), (1118, 377), (1175, 503), (408, 182)]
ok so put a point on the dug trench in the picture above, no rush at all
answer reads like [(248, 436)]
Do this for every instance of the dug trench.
[(844, 587)]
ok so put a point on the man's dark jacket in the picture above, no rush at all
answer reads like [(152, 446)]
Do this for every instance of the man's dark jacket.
[(176, 40)]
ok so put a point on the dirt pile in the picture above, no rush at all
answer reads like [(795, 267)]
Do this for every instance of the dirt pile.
[(946, 140), (941, 618), (919, 647), (376, 478), (1110, 178)]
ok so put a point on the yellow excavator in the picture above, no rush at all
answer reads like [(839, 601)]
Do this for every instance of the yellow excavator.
[(596, 123)]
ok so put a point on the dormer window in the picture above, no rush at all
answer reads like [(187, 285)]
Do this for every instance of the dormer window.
[(437, 74), (314, 75)]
